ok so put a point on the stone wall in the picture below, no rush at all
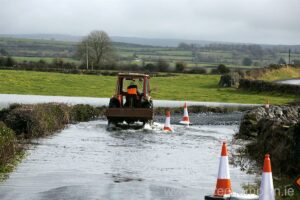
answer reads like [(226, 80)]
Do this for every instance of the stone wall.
[(275, 131), (265, 86)]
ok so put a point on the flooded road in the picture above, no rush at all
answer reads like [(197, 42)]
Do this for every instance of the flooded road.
[(6, 99), (290, 82), (86, 161)]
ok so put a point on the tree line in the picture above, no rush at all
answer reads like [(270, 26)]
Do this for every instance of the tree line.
[(96, 51)]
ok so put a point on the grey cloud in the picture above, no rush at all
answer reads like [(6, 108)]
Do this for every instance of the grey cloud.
[(257, 21)]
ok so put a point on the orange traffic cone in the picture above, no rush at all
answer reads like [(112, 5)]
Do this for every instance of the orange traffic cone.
[(266, 187), (223, 186), (167, 126), (298, 182), (185, 120)]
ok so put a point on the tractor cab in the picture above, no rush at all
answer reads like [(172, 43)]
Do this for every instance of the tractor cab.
[(132, 101)]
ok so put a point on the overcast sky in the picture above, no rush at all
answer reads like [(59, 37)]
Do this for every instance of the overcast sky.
[(254, 21)]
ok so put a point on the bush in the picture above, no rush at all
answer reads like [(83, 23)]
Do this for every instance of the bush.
[(247, 61), (3, 52), (163, 66), (82, 112), (7, 144), (37, 120), (2, 61), (151, 67), (44, 119), (10, 61), (263, 86), (7, 61), (214, 71), (222, 69), (180, 66), (198, 70)]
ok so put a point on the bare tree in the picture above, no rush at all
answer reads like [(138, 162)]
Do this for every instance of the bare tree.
[(97, 48)]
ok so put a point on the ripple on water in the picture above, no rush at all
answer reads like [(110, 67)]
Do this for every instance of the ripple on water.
[(88, 161)]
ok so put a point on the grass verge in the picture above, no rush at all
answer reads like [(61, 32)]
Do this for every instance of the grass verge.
[(282, 73), (181, 87), (10, 151), (11, 164)]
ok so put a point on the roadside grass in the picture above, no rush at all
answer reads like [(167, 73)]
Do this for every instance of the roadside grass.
[(10, 152), (8, 167), (181, 87), (285, 188), (281, 74)]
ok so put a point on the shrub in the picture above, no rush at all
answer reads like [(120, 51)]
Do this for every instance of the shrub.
[(247, 61), (163, 66), (198, 70), (151, 67), (7, 144), (222, 69), (10, 61), (2, 61), (180, 66), (37, 120), (3, 52), (44, 119), (7, 61), (82, 112), (214, 71), (263, 86)]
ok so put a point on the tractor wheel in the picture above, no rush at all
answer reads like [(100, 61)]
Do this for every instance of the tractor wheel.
[(114, 103), (147, 104)]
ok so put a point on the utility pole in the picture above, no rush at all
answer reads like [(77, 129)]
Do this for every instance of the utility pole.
[(87, 56), (289, 56)]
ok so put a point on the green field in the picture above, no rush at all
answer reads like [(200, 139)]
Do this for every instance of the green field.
[(203, 56), (182, 87)]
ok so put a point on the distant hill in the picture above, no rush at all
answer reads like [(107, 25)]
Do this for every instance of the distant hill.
[(159, 42), (203, 54), (131, 40), (58, 37)]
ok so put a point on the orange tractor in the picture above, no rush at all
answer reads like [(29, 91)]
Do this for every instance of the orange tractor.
[(132, 101)]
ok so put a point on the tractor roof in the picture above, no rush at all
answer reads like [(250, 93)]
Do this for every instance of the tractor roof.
[(132, 75)]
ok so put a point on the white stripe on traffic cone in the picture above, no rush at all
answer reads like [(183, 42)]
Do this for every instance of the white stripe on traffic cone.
[(185, 120), (223, 186), (167, 126), (267, 187)]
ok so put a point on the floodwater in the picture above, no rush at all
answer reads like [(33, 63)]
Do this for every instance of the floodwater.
[(6, 99), (290, 82), (86, 161)]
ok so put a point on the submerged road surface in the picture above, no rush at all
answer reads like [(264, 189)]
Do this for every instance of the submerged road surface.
[(6, 99), (86, 161), (290, 82)]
